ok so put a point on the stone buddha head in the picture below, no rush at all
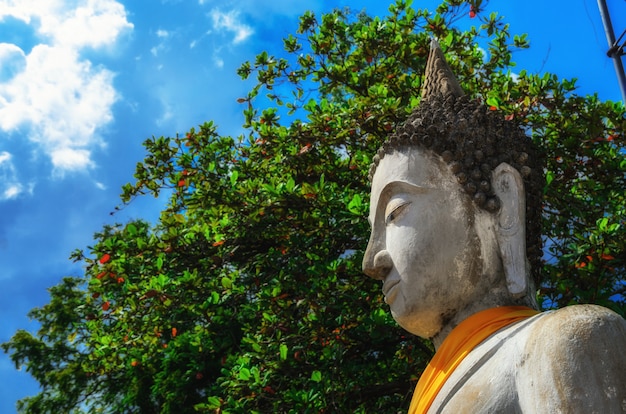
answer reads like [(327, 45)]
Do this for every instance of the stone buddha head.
[(454, 210)]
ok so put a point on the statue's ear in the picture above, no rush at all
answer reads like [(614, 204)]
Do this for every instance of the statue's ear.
[(511, 227)]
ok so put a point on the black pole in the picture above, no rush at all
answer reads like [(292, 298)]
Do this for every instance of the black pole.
[(610, 37)]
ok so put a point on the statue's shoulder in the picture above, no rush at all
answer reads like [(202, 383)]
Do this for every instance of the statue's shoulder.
[(585, 323), (563, 361), (572, 362), (583, 330)]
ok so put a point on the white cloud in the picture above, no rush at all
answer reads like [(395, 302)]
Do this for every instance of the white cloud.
[(61, 99), (70, 159), (168, 113), (92, 23), (95, 24), (218, 62), (163, 35), (54, 95), (12, 191), (230, 22), (10, 187)]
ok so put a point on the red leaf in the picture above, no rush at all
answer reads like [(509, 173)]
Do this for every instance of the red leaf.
[(106, 305), (305, 149)]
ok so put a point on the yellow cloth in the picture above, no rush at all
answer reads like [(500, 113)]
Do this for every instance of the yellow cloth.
[(460, 342)]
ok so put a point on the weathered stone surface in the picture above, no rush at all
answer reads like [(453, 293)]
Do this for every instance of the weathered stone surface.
[(436, 252)]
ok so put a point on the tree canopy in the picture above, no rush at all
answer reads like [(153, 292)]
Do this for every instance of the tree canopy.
[(247, 294)]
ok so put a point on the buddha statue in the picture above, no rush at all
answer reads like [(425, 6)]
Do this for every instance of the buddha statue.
[(455, 237)]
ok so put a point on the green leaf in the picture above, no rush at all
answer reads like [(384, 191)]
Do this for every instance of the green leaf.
[(244, 374), (233, 177), (355, 205), (131, 229), (493, 101), (213, 403), (316, 376), (227, 282)]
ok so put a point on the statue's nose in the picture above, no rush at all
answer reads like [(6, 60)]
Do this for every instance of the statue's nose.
[(377, 263)]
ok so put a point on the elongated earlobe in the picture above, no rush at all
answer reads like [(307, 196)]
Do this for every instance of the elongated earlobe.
[(511, 232)]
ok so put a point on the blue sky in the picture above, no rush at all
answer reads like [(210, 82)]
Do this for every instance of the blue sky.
[(84, 82)]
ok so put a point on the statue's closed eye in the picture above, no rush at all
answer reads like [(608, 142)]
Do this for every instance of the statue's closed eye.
[(395, 211)]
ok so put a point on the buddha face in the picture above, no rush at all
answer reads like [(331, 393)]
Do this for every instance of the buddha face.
[(428, 243)]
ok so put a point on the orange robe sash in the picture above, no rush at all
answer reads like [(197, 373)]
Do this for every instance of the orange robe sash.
[(460, 342)]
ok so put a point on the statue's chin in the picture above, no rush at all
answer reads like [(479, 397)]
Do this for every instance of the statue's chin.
[(423, 324)]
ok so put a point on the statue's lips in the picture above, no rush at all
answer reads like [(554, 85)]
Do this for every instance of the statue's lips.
[(388, 286)]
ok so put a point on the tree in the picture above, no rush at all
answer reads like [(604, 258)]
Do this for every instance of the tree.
[(247, 294)]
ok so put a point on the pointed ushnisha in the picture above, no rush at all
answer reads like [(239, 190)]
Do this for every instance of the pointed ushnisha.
[(438, 78)]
